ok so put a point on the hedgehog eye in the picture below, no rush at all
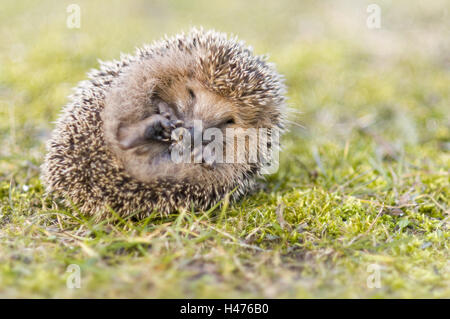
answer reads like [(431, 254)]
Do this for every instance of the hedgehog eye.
[(191, 93), (230, 121)]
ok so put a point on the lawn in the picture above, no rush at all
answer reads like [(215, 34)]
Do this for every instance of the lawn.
[(359, 207)]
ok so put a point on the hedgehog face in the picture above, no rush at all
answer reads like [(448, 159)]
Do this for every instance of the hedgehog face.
[(191, 101), (161, 93)]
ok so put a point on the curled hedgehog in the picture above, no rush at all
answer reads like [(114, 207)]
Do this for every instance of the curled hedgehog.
[(112, 143)]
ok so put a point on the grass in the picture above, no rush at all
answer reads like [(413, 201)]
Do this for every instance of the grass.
[(363, 179)]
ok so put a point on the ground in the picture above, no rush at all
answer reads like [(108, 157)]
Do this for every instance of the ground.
[(358, 208)]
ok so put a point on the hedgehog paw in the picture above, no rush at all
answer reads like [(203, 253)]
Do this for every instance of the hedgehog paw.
[(159, 128), (155, 127)]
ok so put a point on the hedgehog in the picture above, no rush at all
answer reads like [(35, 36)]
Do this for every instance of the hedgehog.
[(110, 149)]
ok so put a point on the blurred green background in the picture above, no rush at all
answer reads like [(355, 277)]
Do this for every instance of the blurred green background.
[(364, 174)]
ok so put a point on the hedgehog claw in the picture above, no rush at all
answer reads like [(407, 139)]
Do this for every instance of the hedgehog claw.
[(162, 129)]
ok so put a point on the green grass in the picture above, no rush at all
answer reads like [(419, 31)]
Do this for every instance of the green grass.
[(363, 179)]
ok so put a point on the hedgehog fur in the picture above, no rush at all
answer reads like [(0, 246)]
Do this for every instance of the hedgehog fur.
[(84, 164)]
